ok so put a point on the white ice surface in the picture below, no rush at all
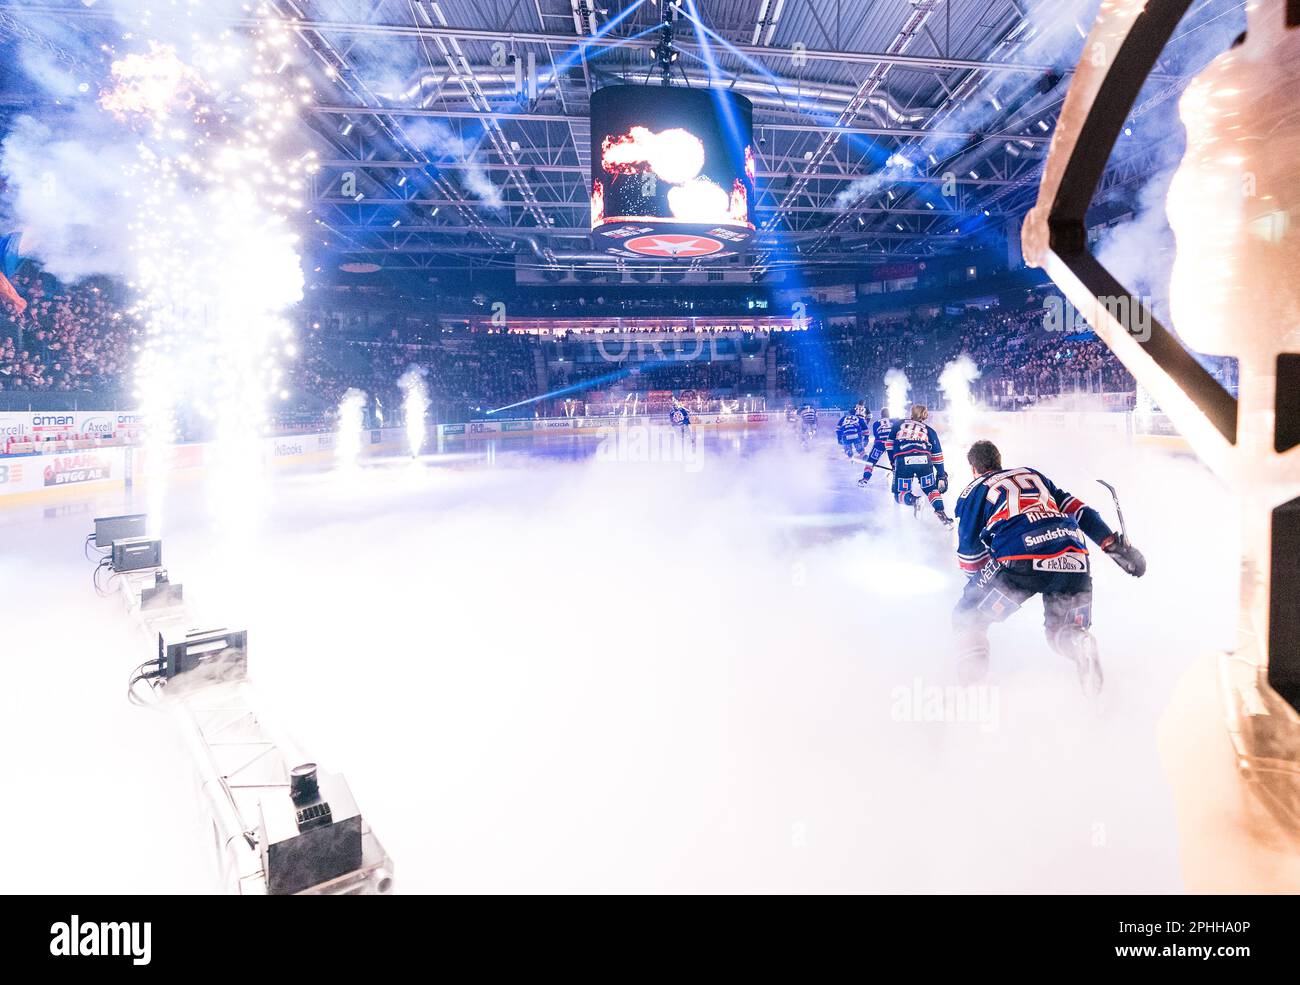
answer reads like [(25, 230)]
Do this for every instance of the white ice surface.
[(546, 674)]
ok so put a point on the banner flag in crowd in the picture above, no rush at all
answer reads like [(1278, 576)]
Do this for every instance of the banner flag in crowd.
[(9, 262)]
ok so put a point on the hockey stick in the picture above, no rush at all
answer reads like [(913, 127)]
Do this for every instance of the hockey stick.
[(1123, 531)]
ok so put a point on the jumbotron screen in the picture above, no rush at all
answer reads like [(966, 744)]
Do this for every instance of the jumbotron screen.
[(672, 172)]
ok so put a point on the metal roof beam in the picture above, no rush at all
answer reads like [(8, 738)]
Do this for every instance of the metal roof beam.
[(764, 124)]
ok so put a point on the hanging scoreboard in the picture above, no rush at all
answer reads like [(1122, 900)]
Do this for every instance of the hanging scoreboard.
[(672, 172)]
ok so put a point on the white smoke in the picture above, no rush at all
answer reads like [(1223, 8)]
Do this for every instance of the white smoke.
[(437, 140), (802, 752), (867, 185), (1140, 250), (955, 381), (64, 181), (897, 388)]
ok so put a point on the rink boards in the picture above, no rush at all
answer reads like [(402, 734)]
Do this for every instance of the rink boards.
[(75, 468), (78, 468), (607, 425)]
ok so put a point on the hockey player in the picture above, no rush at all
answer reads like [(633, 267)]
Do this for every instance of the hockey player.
[(914, 454), (807, 425), (680, 418), (852, 431), (791, 417), (1019, 535), (881, 427)]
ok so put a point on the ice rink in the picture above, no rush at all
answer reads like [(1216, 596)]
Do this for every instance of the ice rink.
[(548, 665)]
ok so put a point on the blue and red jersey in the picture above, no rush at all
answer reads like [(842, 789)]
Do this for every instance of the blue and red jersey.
[(1021, 515), (880, 430), (852, 427), (911, 444)]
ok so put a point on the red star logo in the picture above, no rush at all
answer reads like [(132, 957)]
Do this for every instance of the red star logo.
[(674, 245)]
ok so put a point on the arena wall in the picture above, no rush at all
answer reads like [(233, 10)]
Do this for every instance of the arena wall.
[(55, 468)]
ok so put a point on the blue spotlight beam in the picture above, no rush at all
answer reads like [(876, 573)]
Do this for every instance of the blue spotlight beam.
[(725, 109), (564, 64), (571, 388), (571, 59), (618, 374), (869, 147)]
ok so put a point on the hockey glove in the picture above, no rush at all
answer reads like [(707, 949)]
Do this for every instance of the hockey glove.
[(942, 484), (1125, 555)]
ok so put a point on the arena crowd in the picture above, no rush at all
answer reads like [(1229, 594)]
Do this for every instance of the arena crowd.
[(69, 339), (80, 339)]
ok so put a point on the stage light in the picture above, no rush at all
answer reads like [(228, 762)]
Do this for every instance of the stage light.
[(135, 553), (310, 833), (111, 528), (163, 594), (210, 654)]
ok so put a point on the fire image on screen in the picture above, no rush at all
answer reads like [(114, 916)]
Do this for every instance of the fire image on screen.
[(671, 156)]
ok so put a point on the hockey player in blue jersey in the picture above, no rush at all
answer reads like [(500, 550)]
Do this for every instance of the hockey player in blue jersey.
[(1020, 535), (880, 429), (680, 418), (807, 425), (883, 425), (852, 431), (915, 455)]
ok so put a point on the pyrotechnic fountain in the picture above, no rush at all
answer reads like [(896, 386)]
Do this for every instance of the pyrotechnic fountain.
[(897, 387), (347, 448), (955, 381), (415, 404)]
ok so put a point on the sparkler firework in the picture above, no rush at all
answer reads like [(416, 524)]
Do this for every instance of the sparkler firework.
[(214, 266)]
